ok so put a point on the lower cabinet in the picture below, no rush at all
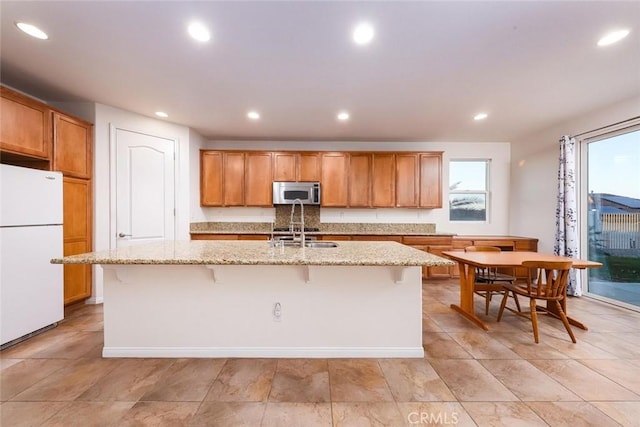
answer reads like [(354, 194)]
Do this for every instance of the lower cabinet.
[(77, 237), (77, 277), (434, 245)]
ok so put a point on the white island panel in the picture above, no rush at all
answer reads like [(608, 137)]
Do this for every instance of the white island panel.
[(228, 311)]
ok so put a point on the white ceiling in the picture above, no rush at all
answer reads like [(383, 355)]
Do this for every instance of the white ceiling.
[(430, 68)]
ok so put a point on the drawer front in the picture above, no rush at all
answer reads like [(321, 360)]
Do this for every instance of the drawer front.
[(254, 237), (214, 237), (371, 237), (427, 240), (461, 244), (527, 245), (342, 237), (505, 245)]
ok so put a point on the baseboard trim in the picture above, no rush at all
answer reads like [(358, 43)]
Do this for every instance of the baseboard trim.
[(94, 300), (267, 352)]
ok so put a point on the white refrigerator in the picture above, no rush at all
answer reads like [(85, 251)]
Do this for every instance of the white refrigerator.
[(31, 288)]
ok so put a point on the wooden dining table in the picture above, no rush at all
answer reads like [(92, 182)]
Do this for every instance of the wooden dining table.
[(469, 261)]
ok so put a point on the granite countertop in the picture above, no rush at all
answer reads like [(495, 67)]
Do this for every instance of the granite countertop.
[(213, 252), (409, 229)]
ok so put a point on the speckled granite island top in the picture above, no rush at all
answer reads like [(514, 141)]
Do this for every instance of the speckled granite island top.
[(214, 252)]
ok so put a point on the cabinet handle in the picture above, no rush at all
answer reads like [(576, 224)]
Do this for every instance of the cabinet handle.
[(121, 234)]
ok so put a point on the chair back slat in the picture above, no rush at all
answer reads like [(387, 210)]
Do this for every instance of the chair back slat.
[(547, 278)]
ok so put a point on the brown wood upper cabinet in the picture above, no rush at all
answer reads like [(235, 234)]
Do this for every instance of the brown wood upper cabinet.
[(258, 178), (407, 180), (360, 180), (309, 167), (72, 146), (348, 179), (293, 166), (221, 178), (383, 183), (335, 173), (431, 180), (231, 178), (285, 166), (211, 178), (25, 128)]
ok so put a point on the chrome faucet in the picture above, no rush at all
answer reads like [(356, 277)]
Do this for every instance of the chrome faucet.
[(300, 224)]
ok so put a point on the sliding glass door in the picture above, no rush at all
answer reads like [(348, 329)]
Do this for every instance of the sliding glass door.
[(613, 216)]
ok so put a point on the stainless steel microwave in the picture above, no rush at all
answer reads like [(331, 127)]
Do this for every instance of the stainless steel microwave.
[(285, 192)]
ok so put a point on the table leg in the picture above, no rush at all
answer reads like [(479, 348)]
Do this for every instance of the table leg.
[(466, 307)]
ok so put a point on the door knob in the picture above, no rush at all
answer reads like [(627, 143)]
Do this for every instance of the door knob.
[(121, 234)]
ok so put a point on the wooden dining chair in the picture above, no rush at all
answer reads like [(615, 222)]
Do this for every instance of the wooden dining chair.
[(489, 280), (547, 280)]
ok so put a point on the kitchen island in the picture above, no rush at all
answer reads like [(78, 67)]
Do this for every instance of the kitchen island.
[(249, 299)]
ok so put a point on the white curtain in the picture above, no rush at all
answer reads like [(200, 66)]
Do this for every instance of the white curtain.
[(566, 242)]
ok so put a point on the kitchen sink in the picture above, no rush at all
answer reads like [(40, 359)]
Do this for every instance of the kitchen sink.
[(316, 244)]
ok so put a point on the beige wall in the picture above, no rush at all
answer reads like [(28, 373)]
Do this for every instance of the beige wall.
[(534, 169)]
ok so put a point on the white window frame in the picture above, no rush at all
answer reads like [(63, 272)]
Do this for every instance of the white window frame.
[(584, 140), (486, 192)]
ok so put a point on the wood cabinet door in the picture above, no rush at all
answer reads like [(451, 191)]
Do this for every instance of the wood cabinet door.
[(431, 180), (76, 194), (233, 180), (211, 178), (309, 167), (77, 237), (258, 180), (335, 167), (383, 180), (285, 166), (439, 271), (360, 180), (25, 128), (72, 146), (407, 180), (77, 277)]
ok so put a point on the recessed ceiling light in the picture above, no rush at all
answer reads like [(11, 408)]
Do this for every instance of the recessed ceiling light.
[(32, 30), (480, 116), (342, 116), (363, 33), (253, 115), (162, 114), (199, 32), (612, 37)]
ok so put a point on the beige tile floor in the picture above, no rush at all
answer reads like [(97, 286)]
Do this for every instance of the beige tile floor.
[(468, 377)]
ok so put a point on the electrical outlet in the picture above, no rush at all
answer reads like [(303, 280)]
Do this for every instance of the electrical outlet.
[(277, 312)]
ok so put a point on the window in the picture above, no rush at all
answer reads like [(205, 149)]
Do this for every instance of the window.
[(468, 190), (613, 215)]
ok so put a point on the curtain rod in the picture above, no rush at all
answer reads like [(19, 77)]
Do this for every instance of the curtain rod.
[(606, 127)]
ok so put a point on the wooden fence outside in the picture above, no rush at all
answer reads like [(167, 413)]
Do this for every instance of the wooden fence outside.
[(620, 231)]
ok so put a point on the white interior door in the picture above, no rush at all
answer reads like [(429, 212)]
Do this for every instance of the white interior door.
[(145, 188)]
